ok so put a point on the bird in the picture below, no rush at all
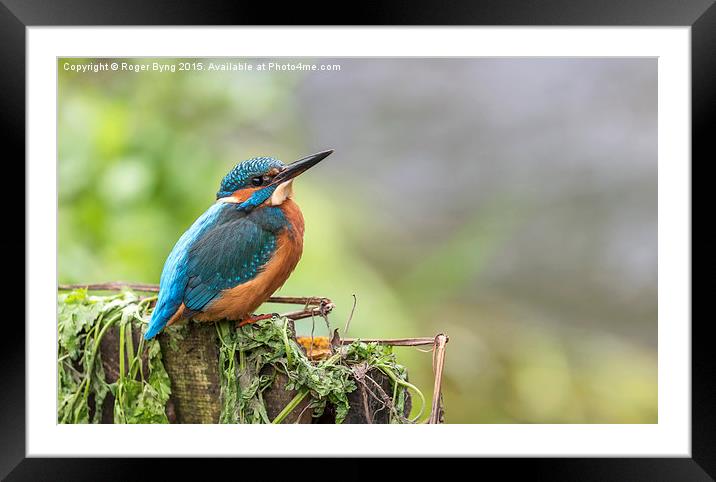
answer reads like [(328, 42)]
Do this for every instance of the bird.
[(239, 251)]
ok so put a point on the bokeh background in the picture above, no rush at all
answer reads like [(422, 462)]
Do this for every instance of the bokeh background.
[(510, 203)]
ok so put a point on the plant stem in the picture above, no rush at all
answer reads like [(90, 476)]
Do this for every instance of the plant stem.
[(119, 402), (398, 381), (291, 405), (289, 355), (85, 381), (130, 350)]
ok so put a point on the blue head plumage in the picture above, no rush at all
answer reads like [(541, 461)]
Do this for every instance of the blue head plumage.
[(250, 173), (256, 173)]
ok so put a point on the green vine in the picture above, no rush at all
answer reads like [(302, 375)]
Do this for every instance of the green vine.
[(250, 358), (83, 322), (266, 348)]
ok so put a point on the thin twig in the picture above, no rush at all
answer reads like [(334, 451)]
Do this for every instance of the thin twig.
[(421, 341), (297, 300), (300, 315), (350, 317), (300, 415), (323, 306), (366, 405), (111, 286), (438, 365), (385, 400), (360, 373), (152, 288), (313, 328)]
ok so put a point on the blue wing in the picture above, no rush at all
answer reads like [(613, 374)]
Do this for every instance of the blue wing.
[(226, 256), (224, 248)]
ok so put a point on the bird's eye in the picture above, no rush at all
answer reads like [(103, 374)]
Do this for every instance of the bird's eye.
[(257, 181)]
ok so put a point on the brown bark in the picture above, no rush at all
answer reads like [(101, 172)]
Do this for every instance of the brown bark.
[(277, 397), (193, 368), (192, 363)]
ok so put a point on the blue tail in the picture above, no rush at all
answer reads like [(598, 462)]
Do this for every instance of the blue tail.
[(160, 317), (155, 326), (173, 282)]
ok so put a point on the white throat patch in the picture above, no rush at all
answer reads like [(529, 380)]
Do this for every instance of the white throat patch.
[(283, 191)]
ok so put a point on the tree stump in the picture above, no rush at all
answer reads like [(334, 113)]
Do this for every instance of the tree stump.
[(193, 367), (192, 363), (277, 397)]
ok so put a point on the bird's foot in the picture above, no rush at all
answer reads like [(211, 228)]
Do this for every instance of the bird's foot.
[(254, 318), (312, 306)]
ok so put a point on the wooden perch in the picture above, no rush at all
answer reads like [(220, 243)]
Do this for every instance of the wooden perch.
[(191, 362)]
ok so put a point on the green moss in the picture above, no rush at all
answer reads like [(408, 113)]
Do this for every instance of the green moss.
[(249, 359), (269, 344), (83, 321)]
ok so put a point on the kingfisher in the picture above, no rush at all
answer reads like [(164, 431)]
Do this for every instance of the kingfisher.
[(240, 251)]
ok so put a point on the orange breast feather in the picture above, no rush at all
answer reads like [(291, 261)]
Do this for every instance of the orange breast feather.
[(240, 301)]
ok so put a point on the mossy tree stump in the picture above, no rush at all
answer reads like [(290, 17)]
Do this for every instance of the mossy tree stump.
[(192, 363)]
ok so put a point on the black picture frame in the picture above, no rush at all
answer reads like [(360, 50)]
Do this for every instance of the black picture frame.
[(17, 15)]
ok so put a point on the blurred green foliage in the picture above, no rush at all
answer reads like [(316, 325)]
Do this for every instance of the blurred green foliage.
[(141, 156)]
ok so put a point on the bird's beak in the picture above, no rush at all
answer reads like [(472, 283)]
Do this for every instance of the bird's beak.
[(299, 167)]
